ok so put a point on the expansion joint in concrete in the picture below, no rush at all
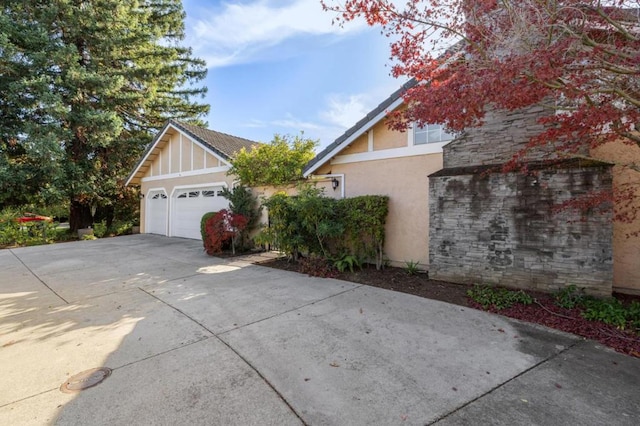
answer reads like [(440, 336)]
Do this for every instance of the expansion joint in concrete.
[(522, 373), (38, 278)]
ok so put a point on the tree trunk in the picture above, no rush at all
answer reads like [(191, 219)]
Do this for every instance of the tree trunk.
[(79, 216)]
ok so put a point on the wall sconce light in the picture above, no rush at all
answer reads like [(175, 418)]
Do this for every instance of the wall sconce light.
[(335, 183), (141, 196)]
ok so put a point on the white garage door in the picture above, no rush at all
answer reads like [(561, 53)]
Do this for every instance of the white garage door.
[(157, 203), (190, 204)]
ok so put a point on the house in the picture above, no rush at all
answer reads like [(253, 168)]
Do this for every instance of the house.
[(371, 159), (181, 176)]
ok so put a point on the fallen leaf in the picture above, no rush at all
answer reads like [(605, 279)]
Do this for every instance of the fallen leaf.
[(334, 364), (558, 386), (361, 311), (524, 400), (455, 389), (404, 417), (501, 330), (306, 379)]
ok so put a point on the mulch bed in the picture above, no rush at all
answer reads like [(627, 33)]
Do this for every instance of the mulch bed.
[(543, 311)]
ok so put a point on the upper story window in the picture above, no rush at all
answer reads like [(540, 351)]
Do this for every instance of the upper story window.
[(430, 133)]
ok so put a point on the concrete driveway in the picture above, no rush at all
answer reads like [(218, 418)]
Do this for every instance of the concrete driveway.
[(193, 339)]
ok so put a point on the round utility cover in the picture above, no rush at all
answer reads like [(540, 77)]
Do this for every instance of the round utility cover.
[(85, 380)]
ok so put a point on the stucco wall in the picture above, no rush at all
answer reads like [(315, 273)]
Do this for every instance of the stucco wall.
[(500, 229), (405, 181), (626, 235), (385, 138)]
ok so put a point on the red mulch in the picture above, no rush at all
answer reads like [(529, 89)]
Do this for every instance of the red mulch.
[(543, 311)]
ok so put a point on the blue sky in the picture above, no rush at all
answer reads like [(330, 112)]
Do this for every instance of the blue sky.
[(280, 66)]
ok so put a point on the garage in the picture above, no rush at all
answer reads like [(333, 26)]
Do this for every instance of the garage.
[(157, 208), (190, 204), (181, 176)]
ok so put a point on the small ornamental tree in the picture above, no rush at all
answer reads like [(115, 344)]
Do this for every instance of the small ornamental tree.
[(279, 162), (578, 58), (242, 202), (220, 229)]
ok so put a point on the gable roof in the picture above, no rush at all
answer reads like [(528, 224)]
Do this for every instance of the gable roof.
[(219, 144), (367, 122)]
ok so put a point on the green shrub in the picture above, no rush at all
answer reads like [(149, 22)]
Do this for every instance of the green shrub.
[(310, 223), (242, 202), (498, 298), (569, 297), (100, 229), (412, 267), (347, 261), (203, 223), (609, 311)]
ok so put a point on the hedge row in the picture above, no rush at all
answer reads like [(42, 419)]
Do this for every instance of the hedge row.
[(310, 223)]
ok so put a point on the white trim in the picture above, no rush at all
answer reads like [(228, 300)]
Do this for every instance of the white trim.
[(410, 138), (180, 162), (204, 166), (333, 175), (384, 154), (160, 157), (170, 154), (354, 136), (159, 137), (370, 140), (146, 209), (180, 187), (189, 173), (192, 156)]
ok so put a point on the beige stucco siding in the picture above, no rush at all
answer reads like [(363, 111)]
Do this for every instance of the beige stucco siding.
[(164, 159), (198, 157), (405, 181), (170, 184), (361, 144), (626, 245), (385, 138)]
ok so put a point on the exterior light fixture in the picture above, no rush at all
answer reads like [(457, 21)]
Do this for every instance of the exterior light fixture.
[(335, 183), (141, 196)]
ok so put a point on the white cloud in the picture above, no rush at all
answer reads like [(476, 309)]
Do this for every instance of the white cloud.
[(239, 32), (290, 122), (345, 110)]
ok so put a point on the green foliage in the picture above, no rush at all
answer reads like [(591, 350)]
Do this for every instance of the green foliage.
[(13, 233), (412, 267), (347, 261), (84, 87), (314, 224), (100, 229), (243, 202), (611, 311), (364, 221), (608, 310), (278, 163), (498, 298), (203, 224), (569, 297)]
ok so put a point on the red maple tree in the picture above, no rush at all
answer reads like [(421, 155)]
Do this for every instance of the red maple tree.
[(578, 58)]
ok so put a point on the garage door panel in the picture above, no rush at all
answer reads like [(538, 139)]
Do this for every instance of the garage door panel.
[(157, 206), (190, 204)]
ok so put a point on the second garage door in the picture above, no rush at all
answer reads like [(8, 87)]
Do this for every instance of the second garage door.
[(190, 204)]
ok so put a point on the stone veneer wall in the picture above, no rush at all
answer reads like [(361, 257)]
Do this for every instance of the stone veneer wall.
[(503, 134), (499, 229)]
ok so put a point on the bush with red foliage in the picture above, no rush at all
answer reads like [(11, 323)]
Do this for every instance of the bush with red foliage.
[(222, 229)]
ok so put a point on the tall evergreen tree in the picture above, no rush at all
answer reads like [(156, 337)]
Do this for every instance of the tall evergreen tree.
[(83, 86)]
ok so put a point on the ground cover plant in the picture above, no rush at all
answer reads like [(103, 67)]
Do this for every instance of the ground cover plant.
[(614, 322)]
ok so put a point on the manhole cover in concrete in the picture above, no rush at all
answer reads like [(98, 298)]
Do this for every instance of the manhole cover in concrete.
[(86, 379)]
